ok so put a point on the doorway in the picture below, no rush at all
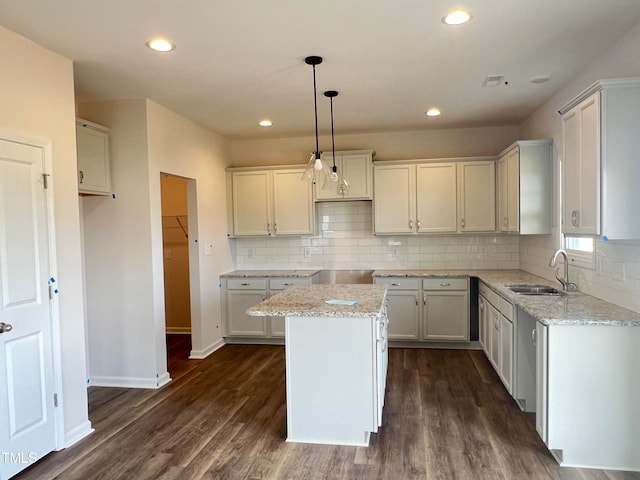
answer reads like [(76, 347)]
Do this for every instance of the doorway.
[(175, 246)]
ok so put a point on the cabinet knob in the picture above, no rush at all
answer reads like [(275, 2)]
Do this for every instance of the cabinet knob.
[(462, 222), (410, 224), (268, 228), (418, 224), (275, 227)]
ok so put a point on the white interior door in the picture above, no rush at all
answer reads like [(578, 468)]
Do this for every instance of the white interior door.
[(27, 425)]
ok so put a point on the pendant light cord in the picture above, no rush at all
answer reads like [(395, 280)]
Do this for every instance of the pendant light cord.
[(315, 108), (333, 145)]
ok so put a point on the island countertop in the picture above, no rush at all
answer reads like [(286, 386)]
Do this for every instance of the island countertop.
[(310, 301)]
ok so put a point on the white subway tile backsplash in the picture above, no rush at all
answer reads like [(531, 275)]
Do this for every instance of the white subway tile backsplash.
[(349, 243)]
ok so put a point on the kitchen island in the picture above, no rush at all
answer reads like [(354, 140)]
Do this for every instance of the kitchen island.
[(336, 360)]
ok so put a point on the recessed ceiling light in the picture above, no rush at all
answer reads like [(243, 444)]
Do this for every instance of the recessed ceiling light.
[(432, 112), (540, 79), (160, 45), (265, 123), (456, 17)]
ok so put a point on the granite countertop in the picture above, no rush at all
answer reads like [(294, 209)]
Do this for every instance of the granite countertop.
[(269, 273), (309, 301), (574, 308)]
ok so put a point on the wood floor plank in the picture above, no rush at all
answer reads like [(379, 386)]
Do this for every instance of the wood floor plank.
[(446, 416)]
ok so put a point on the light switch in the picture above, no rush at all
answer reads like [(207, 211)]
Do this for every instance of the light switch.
[(208, 248)]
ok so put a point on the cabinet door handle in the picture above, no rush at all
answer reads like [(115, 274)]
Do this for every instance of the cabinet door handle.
[(416, 300), (264, 297), (424, 300), (81, 175), (418, 224), (575, 218), (268, 228), (445, 284), (534, 336), (275, 227), (462, 222), (410, 224)]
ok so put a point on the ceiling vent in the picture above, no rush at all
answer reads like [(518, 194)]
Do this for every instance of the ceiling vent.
[(493, 80)]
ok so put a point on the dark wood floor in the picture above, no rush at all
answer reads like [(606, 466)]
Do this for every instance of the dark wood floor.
[(446, 417)]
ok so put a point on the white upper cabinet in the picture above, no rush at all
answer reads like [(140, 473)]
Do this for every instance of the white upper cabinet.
[(525, 188), (434, 197), (356, 168), (270, 202), (477, 196), (394, 203), (92, 143), (600, 160)]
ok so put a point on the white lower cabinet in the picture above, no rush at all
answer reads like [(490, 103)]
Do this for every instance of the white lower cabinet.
[(239, 294), (540, 339), (426, 310), (497, 333), (403, 308)]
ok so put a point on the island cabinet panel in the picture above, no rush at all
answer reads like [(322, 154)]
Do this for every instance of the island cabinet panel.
[(334, 375)]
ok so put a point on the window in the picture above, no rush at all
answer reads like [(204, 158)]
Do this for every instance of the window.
[(580, 251)]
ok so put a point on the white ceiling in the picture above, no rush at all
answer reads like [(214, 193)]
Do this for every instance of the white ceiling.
[(239, 61)]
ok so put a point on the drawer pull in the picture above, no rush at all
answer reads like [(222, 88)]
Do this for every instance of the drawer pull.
[(286, 284), (245, 284), (445, 284), (395, 284)]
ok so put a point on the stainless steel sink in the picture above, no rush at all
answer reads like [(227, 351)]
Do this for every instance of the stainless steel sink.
[(535, 290)]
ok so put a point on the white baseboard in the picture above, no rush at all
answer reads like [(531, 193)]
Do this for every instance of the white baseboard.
[(77, 433), (130, 382), (178, 330), (200, 354)]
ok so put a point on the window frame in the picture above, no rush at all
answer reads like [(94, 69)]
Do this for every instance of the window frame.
[(582, 258)]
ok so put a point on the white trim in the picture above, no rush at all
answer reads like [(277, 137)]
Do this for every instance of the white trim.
[(77, 433), (205, 352), (130, 382), (178, 330)]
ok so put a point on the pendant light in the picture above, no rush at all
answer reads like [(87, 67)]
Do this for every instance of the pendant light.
[(335, 175), (316, 166)]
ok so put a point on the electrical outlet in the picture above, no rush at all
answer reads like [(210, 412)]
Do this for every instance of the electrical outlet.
[(307, 252)]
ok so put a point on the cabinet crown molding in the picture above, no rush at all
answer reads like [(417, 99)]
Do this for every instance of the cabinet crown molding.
[(598, 86)]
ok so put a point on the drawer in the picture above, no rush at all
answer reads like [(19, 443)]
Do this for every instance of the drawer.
[(506, 308), (246, 283), (445, 283), (492, 297), (398, 283), (283, 283)]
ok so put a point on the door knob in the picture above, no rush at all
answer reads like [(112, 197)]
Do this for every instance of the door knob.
[(5, 327)]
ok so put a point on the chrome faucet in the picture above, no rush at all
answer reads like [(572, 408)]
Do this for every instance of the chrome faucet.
[(566, 284)]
